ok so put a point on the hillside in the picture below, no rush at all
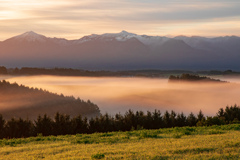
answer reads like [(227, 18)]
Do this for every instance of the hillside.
[(215, 142), (21, 101)]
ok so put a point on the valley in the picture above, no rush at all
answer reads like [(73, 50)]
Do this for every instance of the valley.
[(119, 94)]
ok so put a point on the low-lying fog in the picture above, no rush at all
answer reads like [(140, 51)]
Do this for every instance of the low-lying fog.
[(114, 95)]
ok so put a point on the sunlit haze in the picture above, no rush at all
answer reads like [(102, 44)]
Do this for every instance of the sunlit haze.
[(73, 19)]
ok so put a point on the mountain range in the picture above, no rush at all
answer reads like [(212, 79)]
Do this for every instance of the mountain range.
[(121, 51)]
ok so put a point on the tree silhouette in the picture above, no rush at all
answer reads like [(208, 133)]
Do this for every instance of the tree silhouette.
[(78, 125), (173, 119), (18, 128), (157, 121), (232, 113), (181, 120), (62, 124), (200, 116), (3, 70), (44, 125), (167, 120), (191, 120), (2, 124)]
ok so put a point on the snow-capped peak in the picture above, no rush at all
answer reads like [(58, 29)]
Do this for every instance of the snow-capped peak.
[(125, 33), (122, 36), (30, 37), (30, 33)]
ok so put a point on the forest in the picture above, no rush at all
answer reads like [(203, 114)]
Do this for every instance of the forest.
[(186, 77), (25, 102), (63, 124)]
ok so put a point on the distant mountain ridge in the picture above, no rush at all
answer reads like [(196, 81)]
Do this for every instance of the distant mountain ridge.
[(124, 50)]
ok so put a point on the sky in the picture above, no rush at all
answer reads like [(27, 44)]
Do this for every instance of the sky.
[(72, 19)]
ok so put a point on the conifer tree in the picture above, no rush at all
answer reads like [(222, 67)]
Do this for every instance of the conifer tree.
[(191, 120), (2, 124), (44, 125)]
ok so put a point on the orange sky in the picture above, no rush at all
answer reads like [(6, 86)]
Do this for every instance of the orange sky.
[(73, 19)]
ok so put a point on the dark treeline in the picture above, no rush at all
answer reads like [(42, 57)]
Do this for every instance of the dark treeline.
[(89, 73), (81, 72), (3, 70), (62, 124), (186, 77)]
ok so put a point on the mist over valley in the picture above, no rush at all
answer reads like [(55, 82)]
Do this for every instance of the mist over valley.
[(119, 94)]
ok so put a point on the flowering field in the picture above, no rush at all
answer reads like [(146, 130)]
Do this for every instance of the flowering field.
[(215, 142)]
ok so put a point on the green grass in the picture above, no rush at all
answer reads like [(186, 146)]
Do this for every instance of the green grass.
[(215, 142)]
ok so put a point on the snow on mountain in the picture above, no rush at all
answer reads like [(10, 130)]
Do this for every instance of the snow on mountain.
[(151, 41), (122, 36), (147, 40), (85, 39), (121, 50), (30, 37)]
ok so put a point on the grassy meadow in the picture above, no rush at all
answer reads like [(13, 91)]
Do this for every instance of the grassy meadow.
[(215, 142)]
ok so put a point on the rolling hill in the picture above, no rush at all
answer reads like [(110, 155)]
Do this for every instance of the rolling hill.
[(21, 101)]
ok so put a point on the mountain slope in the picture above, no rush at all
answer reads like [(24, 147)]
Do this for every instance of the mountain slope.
[(114, 51)]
